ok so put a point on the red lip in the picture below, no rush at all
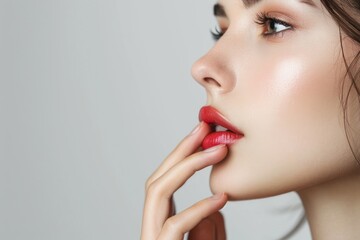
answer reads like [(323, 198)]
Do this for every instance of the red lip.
[(212, 117)]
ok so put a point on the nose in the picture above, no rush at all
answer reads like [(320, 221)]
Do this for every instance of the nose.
[(213, 70)]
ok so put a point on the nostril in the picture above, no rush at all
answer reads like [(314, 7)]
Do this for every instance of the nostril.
[(212, 81)]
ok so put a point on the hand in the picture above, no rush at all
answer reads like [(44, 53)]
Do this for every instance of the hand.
[(159, 219), (211, 228)]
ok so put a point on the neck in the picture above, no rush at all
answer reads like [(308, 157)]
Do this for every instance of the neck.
[(333, 208)]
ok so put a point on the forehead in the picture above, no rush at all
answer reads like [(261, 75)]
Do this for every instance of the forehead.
[(250, 3), (225, 8)]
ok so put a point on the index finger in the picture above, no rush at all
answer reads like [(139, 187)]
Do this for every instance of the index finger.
[(186, 147)]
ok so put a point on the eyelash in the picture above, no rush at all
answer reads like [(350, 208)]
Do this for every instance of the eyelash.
[(262, 19), (217, 33)]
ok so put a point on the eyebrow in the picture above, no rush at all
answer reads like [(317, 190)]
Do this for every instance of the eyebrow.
[(219, 10), (250, 3)]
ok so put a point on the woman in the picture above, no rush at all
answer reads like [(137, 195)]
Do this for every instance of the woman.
[(282, 115)]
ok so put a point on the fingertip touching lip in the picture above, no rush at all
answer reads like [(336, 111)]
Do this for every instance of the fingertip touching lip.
[(223, 132)]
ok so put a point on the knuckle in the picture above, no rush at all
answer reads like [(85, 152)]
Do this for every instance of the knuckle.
[(173, 225), (154, 188), (148, 182)]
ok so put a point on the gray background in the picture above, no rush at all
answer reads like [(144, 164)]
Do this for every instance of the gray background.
[(93, 96)]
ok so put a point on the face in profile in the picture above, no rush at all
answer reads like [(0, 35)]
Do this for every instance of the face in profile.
[(275, 73)]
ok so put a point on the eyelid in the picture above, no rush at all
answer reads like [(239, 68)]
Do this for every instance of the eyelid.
[(264, 18), (278, 17), (281, 17), (220, 28)]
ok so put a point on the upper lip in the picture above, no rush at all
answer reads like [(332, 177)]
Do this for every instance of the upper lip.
[(212, 116)]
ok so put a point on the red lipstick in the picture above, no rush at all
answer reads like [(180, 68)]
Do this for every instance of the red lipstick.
[(223, 131)]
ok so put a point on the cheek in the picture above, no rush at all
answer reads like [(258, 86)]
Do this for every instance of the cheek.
[(289, 85), (294, 137), (292, 98)]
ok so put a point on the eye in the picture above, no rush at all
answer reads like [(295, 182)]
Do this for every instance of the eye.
[(272, 26), (217, 33)]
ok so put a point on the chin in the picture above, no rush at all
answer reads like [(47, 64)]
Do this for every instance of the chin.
[(247, 173), (253, 183), (241, 181), (248, 186)]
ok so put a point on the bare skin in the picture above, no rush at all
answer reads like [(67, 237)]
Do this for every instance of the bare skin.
[(275, 73), (333, 209), (202, 220)]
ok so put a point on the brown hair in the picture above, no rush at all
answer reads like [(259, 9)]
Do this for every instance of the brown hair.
[(346, 13)]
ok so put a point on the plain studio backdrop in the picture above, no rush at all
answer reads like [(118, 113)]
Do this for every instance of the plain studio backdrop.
[(93, 95)]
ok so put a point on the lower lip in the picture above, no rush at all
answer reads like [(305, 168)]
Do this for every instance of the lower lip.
[(217, 138)]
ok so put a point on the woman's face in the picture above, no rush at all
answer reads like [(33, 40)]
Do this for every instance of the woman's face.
[(276, 75)]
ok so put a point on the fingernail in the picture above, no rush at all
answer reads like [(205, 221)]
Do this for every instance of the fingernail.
[(217, 196), (196, 129), (212, 149)]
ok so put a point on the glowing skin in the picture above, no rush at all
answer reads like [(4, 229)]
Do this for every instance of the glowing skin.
[(283, 93)]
